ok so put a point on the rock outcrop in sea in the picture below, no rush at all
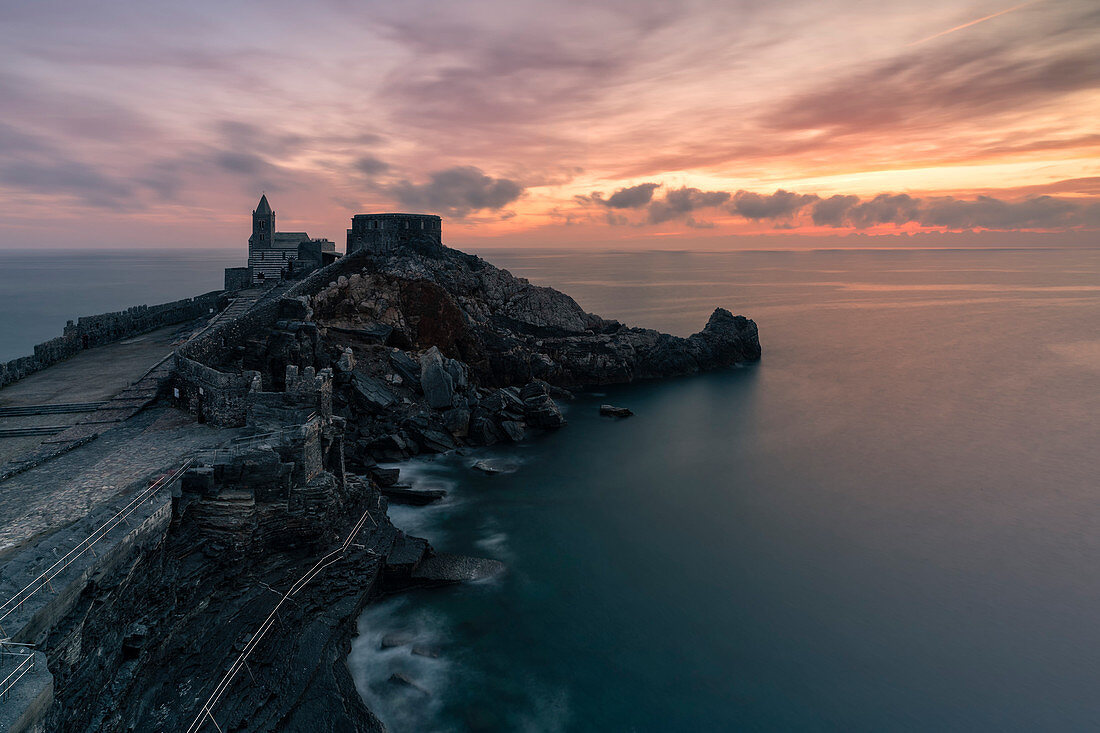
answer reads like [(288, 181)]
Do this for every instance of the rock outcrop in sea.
[(433, 348)]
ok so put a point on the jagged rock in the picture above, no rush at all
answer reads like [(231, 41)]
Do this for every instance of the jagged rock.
[(539, 409), (405, 494), (513, 429), (385, 476), (373, 333), (407, 367), (457, 421), (433, 441), (436, 380), (346, 362), (484, 431), (612, 411), (405, 554), (373, 393)]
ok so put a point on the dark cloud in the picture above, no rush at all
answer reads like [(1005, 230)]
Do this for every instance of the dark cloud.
[(67, 177), (370, 165), (682, 201), (234, 162), (983, 212), (786, 209), (986, 212), (773, 206), (633, 197), (885, 209), (456, 192), (935, 85), (833, 210)]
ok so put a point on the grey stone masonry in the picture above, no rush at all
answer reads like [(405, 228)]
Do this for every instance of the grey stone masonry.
[(382, 233)]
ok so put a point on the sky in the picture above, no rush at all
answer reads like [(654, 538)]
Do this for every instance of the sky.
[(623, 123)]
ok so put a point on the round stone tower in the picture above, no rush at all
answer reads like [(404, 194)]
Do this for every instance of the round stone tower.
[(388, 233)]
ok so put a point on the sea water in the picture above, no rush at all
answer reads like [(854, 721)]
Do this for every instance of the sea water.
[(892, 522), (42, 289)]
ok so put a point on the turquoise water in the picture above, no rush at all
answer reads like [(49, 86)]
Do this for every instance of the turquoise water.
[(891, 523)]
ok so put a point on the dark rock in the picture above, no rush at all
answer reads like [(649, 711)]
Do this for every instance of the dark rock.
[(513, 429), (539, 409), (486, 467), (372, 393), (374, 333), (612, 411), (407, 367), (425, 651), (405, 494), (385, 476), (446, 568), (405, 553), (484, 431), (433, 441), (457, 421), (435, 380), (395, 639)]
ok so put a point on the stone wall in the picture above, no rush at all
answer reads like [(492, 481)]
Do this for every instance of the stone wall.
[(91, 331), (386, 233), (237, 278), (215, 397)]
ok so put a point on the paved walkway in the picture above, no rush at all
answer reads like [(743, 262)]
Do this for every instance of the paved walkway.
[(91, 376), (123, 459)]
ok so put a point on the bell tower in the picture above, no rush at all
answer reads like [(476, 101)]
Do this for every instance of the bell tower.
[(263, 226)]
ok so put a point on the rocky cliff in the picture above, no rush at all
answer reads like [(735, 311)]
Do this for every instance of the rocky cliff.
[(434, 348)]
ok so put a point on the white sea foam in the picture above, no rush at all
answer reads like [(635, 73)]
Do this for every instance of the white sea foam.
[(401, 706)]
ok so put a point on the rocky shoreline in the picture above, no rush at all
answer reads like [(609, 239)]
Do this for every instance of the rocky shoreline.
[(376, 358)]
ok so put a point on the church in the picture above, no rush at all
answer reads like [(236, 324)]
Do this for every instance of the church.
[(274, 256)]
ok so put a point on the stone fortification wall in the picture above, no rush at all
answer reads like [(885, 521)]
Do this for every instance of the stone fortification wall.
[(91, 331), (224, 398), (388, 233)]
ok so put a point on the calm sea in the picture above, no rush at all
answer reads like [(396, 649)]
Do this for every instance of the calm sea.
[(41, 290), (891, 523)]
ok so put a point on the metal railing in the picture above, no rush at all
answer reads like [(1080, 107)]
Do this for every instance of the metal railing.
[(206, 711), (45, 577), (24, 653)]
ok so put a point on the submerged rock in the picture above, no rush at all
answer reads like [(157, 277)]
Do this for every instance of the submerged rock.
[(486, 467), (400, 679), (395, 639), (613, 411), (446, 568)]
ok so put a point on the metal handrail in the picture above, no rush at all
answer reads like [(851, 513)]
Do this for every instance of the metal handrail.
[(207, 707), (21, 670), (44, 578)]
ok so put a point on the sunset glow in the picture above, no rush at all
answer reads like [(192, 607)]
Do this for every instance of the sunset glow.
[(629, 124)]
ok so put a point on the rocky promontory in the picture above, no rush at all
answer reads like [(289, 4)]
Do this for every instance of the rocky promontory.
[(240, 606), (433, 348)]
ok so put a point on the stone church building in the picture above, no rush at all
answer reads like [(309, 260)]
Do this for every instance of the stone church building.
[(273, 255)]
